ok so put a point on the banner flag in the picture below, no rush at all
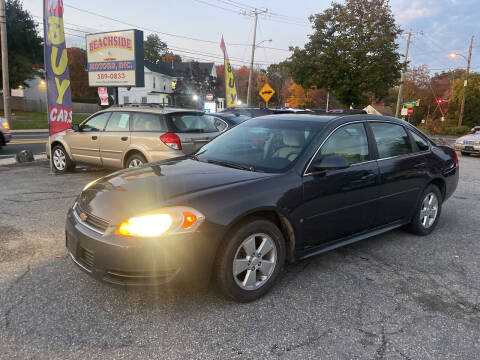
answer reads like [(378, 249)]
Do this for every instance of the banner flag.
[(230, 88), (59, 94)]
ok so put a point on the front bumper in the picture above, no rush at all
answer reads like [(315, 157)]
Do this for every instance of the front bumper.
[(118, 260), (474, 149), (7, 136)]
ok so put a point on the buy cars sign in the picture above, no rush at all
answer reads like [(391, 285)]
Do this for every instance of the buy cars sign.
[(115, 58), (59, 93)]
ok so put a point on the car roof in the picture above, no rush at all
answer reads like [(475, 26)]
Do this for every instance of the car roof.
[(327, 118)]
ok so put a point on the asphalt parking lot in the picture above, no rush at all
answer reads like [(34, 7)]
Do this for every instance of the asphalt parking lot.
[(395, 296)]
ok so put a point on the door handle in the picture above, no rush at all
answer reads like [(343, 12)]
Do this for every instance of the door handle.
[(94, 137), (124, 138)]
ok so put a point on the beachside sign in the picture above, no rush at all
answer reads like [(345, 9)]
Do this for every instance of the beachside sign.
[(115, 58)]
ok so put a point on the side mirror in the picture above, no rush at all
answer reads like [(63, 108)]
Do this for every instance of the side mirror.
[(331, 162), (75, 127)]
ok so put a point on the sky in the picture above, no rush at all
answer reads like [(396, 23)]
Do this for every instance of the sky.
[(193, 28)]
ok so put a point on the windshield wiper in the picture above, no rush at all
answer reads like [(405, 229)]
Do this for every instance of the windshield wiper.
[(232, 165)]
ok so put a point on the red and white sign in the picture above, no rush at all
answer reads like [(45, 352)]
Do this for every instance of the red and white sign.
[(410, 111), (209, 97), (103, 94)]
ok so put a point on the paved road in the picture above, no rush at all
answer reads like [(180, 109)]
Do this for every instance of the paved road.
[(22, 141), (395, 296)]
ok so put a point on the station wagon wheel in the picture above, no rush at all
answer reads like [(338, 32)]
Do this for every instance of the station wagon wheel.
[(60, 160), (135, 160), (428, 211), (250, 259)]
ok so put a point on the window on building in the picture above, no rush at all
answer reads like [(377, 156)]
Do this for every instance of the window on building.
[(164, 85), (154, 82), (126, 100), (144, 99)]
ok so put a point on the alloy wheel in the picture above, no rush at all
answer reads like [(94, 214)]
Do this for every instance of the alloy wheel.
[(135, 163), (429, 210), (254, 261), (59, 159)]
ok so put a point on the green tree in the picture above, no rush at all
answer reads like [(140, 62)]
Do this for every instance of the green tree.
[(154, 49), (353, 51), (25, 47), (472, 102)]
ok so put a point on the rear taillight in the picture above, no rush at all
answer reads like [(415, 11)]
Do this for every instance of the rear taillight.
[(172, 140), (456, 158)]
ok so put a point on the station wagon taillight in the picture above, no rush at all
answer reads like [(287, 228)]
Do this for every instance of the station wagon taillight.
[(456, 158), (172, 140)]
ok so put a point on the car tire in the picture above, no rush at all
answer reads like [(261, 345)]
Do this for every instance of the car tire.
[(465, 153), (428, 212), (135, 160), (61, 161), (255, 275)]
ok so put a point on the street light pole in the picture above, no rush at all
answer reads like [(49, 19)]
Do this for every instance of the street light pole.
[(6, 84), (462, 108)]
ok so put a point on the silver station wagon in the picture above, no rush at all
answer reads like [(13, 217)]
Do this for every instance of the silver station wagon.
[(132, 135)]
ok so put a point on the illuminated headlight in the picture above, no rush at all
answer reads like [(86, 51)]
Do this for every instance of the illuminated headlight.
[(170, 220), (90, 184)]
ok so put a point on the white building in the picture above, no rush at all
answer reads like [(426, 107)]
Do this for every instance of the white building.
[(36, 89), (158, 86)]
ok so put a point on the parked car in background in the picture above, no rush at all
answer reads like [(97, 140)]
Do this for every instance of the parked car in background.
[(249, 111), (274, 188), (231, 118), (469, 144), (5, 134), (132, 135)]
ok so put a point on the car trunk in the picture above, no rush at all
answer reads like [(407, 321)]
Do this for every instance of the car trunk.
[(191, 142)]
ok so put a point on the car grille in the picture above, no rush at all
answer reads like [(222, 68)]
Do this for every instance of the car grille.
[(86, 257), (469, 142), (93, 221)]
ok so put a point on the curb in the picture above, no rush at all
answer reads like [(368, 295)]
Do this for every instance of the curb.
[(29, 131), (11, 161)]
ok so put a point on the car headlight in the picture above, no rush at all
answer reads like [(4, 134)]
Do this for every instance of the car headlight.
[(90, 184), (169, 220)]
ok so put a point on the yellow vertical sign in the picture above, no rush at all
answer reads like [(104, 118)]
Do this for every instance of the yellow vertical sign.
[(230, 88)]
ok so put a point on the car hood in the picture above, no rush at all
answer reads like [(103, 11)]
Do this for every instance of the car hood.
[(475, 137), (130, 192)]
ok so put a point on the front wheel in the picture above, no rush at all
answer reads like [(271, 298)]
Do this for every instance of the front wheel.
[(251, 260), (61, 161), (428, 212)]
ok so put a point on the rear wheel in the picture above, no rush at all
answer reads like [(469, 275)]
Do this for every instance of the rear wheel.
[(61, 161), (428, 212), (251, 260), (135, 160)]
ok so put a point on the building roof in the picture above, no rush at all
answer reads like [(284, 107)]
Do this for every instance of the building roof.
[(379, 110), (182, 67), (161, 68)]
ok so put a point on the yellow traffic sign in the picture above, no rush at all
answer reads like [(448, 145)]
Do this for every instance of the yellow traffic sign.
[(267, 92)]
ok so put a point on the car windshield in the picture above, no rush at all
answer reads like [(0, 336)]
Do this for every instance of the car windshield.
[(266, 145)]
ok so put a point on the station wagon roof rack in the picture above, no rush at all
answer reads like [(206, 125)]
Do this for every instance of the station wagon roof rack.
[(150, 105)]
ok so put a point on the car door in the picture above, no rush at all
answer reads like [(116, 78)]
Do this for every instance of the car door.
[(195, 129), (115, 140), (403, 172), (340, 203), (85, 143)]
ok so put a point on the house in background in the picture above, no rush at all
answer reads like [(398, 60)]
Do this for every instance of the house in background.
[(158, 86), (379, 110), (188, 68), (36, 89)]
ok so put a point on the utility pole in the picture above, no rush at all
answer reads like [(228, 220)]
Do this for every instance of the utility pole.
[(6, 84), (328, 100), (250, 75), (462, 108), (402, 79)]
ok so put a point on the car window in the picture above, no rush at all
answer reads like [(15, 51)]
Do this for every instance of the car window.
[(220, 125), (349, 141), (118, 122), (146, 122), (422, 144), (193, 123), (97, 123), (267, 145), (392, 139)]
